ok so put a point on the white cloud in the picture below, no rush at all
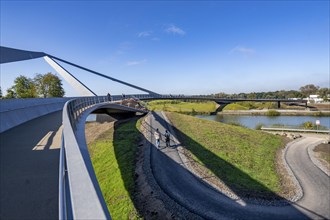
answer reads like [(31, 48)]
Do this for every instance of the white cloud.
[(135, 62), (144, 34), (155, 39), (172, 29), (243, 50), (124, 47)]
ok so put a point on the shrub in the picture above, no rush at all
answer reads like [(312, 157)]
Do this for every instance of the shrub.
[(308, 125), (259, 126), (273, 113)]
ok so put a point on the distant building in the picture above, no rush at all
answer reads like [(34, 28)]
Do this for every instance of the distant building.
[(314, 99)]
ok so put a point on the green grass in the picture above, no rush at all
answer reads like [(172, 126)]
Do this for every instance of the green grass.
[(250, 105), (244, 159), (235, 106), (182, 107), (112, 157)]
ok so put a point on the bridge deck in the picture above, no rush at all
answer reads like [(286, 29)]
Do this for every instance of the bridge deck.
[(29, 157)]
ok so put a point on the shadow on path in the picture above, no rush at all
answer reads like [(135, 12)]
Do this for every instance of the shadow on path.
[(223, 169), (29, 178), (199, 197), (190, 192)]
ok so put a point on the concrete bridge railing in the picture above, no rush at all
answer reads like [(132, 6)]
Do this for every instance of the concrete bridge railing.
[(80, 196), (79, 193), (14, 112)]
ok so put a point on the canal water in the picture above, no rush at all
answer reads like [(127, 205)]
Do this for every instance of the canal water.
[(250, 121)]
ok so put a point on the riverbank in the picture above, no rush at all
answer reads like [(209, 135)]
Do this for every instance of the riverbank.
[(282, 112)]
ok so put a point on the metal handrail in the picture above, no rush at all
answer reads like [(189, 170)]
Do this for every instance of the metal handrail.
[(294, 130)]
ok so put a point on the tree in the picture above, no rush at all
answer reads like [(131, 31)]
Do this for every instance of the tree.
[(323, 93), (309, 89), (11, 94), (24, 87), (252, 95), (49, 85), (0, 93)]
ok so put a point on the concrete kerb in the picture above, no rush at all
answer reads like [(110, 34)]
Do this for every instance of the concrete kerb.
[(300, 192)]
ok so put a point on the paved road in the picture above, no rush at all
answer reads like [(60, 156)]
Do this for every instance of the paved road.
[(314, 182), (29, 157), (196, 196)]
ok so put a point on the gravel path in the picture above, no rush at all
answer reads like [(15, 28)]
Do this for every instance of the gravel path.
[(187, 190)]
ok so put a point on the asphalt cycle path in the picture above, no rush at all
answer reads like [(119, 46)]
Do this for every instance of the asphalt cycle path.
[(29, 165), (195, 195), (314, 182)]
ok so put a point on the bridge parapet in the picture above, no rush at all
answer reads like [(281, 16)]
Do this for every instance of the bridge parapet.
[(80, 196), (14, 112)]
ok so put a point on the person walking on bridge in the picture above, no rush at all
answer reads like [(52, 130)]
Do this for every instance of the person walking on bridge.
[(157, 137), (167, 138), (109, 97)]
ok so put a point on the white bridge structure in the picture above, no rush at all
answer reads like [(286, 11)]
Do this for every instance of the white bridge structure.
[(79, 194)]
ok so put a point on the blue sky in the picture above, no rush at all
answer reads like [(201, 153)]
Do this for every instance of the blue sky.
[(178, 47)]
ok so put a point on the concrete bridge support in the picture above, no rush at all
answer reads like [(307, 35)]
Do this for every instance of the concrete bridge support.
[(219, 107), (278, 105)]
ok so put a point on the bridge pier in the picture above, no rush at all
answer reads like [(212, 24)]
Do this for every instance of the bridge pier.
[(220, 107), (278, 105)]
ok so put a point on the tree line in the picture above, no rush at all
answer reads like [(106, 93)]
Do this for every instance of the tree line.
[(41, 86), (303, 92)]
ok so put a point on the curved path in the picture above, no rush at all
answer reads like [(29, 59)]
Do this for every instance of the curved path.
[(196, 196), (29, 158), (314, 182)]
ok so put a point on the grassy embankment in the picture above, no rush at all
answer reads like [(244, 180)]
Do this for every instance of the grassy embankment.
[(244, 159), (193, 108), (182, 107), (113, 155), (250, 105)]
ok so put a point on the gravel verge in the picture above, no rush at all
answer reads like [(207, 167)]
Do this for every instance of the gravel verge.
[(317, 162), (299, 193)]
